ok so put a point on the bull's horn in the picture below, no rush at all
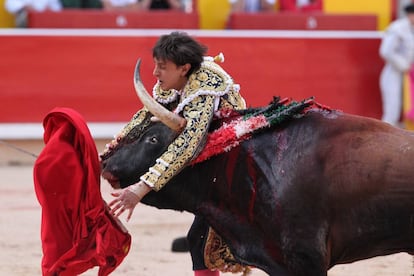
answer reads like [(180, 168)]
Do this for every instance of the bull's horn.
[(170, 119)]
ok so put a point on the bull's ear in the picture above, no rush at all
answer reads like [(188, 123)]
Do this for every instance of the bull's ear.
[(170, 119)]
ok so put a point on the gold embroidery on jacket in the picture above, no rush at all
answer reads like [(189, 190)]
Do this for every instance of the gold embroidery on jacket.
[(164, 96), (129, 132), (184, 147), (196, 105), (136, 120), (217, 255)]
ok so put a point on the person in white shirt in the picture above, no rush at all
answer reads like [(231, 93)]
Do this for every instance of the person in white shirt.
[(397, 50), (19, 8)]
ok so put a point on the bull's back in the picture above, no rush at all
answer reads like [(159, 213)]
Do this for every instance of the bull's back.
[(368, 167), (349, 177)]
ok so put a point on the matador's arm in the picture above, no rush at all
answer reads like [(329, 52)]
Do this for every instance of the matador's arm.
[(198, 113), (140, 119)]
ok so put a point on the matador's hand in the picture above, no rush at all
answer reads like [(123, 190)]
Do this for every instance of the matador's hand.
[(128, 198)]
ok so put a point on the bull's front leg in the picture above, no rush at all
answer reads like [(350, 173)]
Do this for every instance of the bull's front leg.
[(247, 243), (304, 249)]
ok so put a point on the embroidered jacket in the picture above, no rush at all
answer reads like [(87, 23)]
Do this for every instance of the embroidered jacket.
[(207, 90)]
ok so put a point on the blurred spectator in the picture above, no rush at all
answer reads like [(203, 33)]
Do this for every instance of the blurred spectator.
[(300, 5), (401, 4), (143, 4), (161, 5), (120, 4), (397, 51), (19, 8), (252, 5), (82, 4)]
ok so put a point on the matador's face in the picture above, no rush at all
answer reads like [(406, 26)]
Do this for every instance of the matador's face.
[(170, 75)]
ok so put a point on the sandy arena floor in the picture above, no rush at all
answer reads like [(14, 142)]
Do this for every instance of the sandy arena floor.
[(152, 231)]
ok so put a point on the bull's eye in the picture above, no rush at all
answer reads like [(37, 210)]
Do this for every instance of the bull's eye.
[(153, 140)]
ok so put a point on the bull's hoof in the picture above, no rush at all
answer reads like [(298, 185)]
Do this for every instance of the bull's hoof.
[(180, 245)]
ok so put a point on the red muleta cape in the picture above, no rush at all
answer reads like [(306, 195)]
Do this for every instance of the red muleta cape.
[(77, 230)]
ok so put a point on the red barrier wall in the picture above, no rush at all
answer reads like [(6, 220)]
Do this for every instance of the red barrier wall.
[(90, 18), (302, 21), (92, 71)]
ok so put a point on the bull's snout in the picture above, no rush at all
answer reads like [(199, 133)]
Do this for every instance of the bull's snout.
[(113, 180)]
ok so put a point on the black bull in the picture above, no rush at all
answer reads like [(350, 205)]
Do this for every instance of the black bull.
[(325, 189)]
